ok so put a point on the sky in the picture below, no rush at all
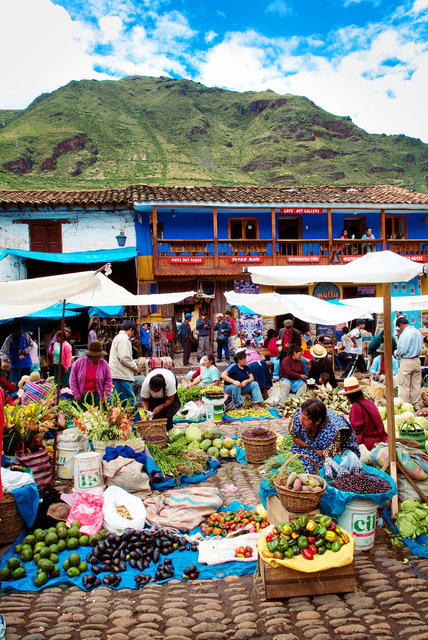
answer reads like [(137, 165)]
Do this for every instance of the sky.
[(367, 59)]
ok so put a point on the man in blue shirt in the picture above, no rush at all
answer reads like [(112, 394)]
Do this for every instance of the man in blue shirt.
[(409, 373), (238, 380), (145, 340)]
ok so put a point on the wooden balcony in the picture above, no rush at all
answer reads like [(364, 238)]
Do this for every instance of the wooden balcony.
[(208, 257)]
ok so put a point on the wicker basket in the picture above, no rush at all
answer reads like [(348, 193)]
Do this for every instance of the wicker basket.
[(418, 437), (297, 501), (257, 450), (153, 432), (100, 445), (11, 523)]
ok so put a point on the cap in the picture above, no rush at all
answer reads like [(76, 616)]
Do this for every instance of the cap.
[(128, 324), (188, 315)]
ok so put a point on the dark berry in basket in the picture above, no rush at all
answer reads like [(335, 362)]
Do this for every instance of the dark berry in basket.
[(259, 432), (361, 483)]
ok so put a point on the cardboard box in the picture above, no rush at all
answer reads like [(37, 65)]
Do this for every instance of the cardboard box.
[(277, 513), (286, 583)]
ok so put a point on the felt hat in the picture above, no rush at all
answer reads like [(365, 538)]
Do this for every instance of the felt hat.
[(318, 351), (351, 385), (95, 349), (288, 323), (381, 349)]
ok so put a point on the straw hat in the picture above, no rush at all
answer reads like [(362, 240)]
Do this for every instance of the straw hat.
[(23, 380), (318, 351), (351, 385), (95, 349), (33, 377)]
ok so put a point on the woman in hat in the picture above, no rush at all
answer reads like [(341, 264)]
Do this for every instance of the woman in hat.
[(90, 379), (321, 364), (364, 416), (377, 368), (33, 388), (321, 433)]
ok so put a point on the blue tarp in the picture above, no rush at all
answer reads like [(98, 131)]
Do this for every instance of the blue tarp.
[(27, 502), (77, 257), (180, 560), (418, 546), (50, 314)]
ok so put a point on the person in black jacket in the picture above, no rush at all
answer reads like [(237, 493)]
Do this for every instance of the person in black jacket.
[(223, 329), (321, 364), (186, 336), (288, 336)]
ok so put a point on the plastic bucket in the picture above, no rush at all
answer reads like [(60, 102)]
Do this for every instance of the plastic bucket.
[(359, 518), (66, 453), (87, 470), (214, 408)]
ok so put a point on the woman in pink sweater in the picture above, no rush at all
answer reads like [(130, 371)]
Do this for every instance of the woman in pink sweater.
[(66, 359), (90, 379)]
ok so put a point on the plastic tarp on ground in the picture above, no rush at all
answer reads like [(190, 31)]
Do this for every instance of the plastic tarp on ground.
[(87, 288), (76, 257), (418, 546), (180, 560), (382, 266)]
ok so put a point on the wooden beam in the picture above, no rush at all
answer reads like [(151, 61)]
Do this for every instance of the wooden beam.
[(389, 390), (273, 220), (155, 233), (330, 233), (215, 229), (382, 229)]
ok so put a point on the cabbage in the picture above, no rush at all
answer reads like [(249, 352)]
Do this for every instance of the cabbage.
[(174, 434), (232, 452), (228, 443), (213, 451), (398, 402), (406, 406), (421, 422), (408, 417), (194, 445), (192, 433), (217, 443), (382, 411), (224, 453), (399, 420)]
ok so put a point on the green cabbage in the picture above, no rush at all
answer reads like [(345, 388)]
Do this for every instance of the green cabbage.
[(407, 406), (412, 519), (192, 433)]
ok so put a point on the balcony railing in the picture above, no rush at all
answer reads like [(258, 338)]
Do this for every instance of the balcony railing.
[(356, 247)]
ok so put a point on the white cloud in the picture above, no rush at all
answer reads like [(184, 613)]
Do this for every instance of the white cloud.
[(210, 36), (419, 6), (111, 28), (280, 7)]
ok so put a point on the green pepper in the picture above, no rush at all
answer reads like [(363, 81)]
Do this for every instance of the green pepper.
[(328, 545), (258, 519), (322, 531), (325, 521), (319, 542), (229, 518), (283, 545), (302, 541), (288, 553), (237, 519), (272, 545), (296, 550), (279, 526), (302, 521), (336, 546), (321, 550), (317, 517)]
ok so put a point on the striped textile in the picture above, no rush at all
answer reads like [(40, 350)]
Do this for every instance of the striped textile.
[(182, 507), (35, 391)]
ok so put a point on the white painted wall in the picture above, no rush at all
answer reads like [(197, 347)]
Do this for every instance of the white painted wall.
[(87, 231)]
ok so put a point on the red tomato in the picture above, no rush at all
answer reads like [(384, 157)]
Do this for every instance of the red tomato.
[(248, 554)]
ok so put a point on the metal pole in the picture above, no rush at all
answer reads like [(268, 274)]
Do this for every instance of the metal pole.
[(58, 389)]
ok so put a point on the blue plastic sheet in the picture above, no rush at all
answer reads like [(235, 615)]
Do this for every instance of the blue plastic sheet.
[(180, 560), (76, 257), (418, 546), (27, 501), (273, 414)]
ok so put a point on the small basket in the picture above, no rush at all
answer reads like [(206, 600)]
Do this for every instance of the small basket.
[(11, 523), (257, 450), (153, 432), (297, 501)]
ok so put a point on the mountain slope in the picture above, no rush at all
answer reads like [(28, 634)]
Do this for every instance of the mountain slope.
[(92, 134)]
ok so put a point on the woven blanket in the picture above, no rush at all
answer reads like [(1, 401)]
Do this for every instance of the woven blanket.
[(182, 507)]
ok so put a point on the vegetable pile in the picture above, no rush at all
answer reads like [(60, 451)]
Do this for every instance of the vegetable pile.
[(249, 413), (231, 523), (405, 417), (412, 519), (335, 400), (305, 536), (304, 482), (208, 441), (283, 453), (361, 483)]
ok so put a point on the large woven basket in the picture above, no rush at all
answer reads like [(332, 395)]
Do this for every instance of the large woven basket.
[(153, 432), (297, 501), (100, 445), (11, 523), (257, 450)]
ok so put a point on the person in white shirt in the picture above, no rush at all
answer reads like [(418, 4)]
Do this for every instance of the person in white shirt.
[(123, 366), (159, 395), (357, 349)]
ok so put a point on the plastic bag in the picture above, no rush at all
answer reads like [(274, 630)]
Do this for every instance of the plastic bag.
[(194, 412), (114, 498), (88, 510), (330, 467), (350, 463)]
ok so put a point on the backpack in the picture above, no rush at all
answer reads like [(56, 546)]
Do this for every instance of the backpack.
[(179, 334)]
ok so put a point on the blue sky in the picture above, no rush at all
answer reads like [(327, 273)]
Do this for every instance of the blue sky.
[(367, 59)]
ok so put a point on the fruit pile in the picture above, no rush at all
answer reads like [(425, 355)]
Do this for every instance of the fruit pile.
[(228, 523), (260, 433), (361, 483), (244, 552), (304, 482), (306, 537), (249, 413)]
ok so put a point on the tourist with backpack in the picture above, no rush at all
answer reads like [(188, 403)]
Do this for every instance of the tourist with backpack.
[(223, 329)]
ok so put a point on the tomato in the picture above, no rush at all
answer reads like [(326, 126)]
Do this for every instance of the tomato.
[(264, 525), (253, 529), (311, 539), (248, 554), (269, 537), (217, 531), (312, 548), (240, 550), (307, 554), (249, 549), (245, 521), (237, 519)]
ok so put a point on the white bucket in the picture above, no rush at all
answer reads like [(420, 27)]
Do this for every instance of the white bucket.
[(66, 453), (87, 471), (359, 519), (214, 408)]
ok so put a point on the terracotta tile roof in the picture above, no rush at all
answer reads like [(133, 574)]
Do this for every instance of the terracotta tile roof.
[(353, 195)]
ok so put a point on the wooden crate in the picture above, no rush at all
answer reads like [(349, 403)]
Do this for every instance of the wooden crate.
[(276, 512), (286, 583)]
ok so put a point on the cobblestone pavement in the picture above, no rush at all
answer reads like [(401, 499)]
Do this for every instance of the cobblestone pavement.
[(390, 600)]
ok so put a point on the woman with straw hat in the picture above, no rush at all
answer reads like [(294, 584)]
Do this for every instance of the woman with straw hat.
[(321, 364), (90, 379), (364, 416)]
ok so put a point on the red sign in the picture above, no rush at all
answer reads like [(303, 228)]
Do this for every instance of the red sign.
[(292, 211), (417, 258), (245, 258), (303, 258), (186, 260), (350, 258)]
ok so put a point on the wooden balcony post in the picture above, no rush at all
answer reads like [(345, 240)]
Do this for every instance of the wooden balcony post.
[(330, 233), (383, 229), (273, 219), (155, 232), (216, 264)]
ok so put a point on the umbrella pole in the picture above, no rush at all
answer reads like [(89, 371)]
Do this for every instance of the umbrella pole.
[(389, 390), (58, 390)]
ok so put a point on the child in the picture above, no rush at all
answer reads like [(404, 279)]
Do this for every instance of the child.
[(324, 382)]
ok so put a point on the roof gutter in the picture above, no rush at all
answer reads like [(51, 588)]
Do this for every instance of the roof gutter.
[(144, 206)]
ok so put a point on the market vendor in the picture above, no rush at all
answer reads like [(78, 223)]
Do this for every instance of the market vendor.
[(238, 380), (66, 359), (319, 433), (293, 371), (377, 368), (321, 364), (90, 378), (33, 388), (208, 373), (159, 395), (364, 416)]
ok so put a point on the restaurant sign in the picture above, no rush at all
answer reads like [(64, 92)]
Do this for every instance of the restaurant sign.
[(293, 211), (303, 259), (247, 259), (186, 259), (326, 291)]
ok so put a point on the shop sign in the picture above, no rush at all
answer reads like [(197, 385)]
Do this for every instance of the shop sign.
[(417, 258), (326, 291), (350, 258), (186, 259), (303, 258), (292, 211), (235, 259)]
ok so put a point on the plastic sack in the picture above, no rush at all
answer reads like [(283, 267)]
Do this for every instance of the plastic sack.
[(88, 510), (115, 497), (194, 411), (350, 463), (278, 393), (334, 501)]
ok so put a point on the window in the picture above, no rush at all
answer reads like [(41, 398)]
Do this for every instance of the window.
[(395, 227), (45, 236), (160, 230), (244, 229)]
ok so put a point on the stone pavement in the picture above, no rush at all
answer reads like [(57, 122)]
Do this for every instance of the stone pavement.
[(390, 601)]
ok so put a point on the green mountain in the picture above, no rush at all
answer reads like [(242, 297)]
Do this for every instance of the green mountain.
[(109, 134)]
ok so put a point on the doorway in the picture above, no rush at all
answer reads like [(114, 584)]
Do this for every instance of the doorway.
[(395, 227), (355, 226), (289, 230)]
